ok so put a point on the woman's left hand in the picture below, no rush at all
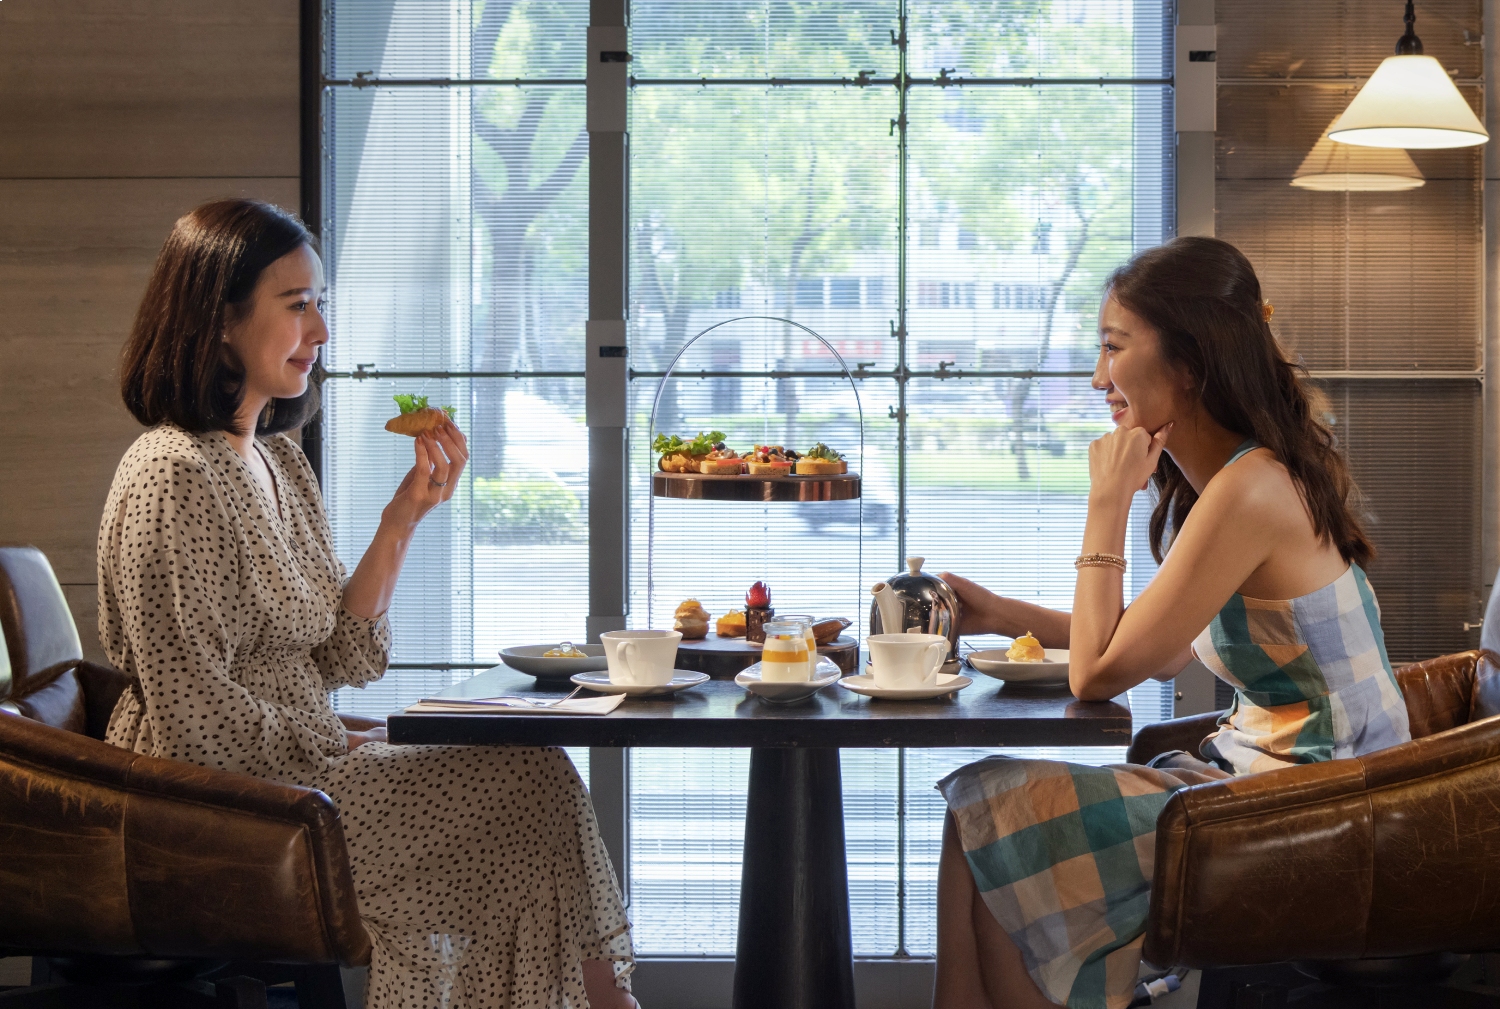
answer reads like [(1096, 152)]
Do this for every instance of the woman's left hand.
[(1121, 462), (440, 459)]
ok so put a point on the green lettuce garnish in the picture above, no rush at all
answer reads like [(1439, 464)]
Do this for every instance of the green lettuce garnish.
[(411, 403), (821, 451), (701, 445)]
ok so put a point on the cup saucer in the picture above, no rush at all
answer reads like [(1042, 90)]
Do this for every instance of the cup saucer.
[(947, 683), (600, 683), (781, 692)]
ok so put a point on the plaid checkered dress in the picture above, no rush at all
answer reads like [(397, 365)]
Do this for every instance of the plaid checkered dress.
[(1062, 854), (1310, 675)]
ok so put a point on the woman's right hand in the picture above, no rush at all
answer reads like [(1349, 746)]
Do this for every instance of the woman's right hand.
[(980, 606), (440, 459), (984, 612)]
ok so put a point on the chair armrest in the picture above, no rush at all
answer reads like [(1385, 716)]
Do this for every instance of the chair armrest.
[(361, 723), (1174, 734), (1377, 856), (102, 687), (109, 851)]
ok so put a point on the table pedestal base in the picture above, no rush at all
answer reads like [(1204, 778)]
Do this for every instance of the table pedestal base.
[(794, 948)]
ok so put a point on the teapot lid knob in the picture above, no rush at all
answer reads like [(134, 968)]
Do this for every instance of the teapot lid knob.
[(914, 564)]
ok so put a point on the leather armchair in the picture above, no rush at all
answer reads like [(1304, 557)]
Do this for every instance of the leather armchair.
[(1363, 870), (43, 674), (128, 870)]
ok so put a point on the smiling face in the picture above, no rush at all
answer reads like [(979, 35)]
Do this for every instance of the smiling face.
[(1141, 388), (278, 330)]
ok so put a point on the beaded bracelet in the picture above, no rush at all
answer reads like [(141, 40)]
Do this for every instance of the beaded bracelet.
[(1100, 561)]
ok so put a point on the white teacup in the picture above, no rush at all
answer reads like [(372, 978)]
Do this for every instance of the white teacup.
[(642, 658), (906, 660)]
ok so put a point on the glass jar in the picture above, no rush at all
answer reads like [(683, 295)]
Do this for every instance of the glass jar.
[(812, 644), (785, 657)]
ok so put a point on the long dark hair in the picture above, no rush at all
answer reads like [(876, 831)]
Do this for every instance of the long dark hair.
[(1203, 299), (176, 366)]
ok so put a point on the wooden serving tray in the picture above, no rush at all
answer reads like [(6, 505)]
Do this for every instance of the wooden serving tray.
[(703, 487), (723, 658)]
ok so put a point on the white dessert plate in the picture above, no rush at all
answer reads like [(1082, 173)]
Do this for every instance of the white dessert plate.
[(1052, 671), (682, 679), (946, 684), (781, 692), (529, 659)]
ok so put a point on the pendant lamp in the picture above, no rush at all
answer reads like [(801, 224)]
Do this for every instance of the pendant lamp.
[(1409, 102), (1345, 168)]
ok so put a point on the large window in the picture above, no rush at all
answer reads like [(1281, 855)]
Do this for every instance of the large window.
[(937, 188)]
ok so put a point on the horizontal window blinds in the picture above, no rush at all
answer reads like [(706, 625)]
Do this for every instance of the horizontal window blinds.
[(947, 237), (1377, 292), (950, 243)]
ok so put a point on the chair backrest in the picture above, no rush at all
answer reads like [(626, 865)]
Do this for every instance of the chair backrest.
[(1450, 690), (106, 851), (1489, 629), (48, 680), (5, 677), (39, 629)]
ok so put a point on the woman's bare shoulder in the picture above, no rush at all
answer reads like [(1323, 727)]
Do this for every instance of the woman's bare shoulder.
[(1256, 487)]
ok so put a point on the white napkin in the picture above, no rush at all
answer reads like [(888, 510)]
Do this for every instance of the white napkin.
[(513, 706)]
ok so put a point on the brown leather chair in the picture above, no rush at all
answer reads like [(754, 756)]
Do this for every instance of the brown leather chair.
[(1370, 871), (130, 878), (43, 674)]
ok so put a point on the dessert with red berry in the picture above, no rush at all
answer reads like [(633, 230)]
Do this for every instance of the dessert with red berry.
[(757, 612)]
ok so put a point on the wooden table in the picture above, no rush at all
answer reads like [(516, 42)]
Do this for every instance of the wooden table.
[(794, 949)]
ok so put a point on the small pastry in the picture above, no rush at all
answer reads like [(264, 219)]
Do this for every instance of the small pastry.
[(679, 456), (770, 460), (1026, 649), (758, 612), (417, 418), (692, 620), (820, 460), (826, 632), (731, 625), (722, 462)]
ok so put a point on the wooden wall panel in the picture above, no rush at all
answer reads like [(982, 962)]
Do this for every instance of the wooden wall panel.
[(166, 88), (117, 119), (74, 257)]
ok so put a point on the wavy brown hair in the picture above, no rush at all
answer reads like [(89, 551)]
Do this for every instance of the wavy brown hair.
[(176, 366), (1203, 299)]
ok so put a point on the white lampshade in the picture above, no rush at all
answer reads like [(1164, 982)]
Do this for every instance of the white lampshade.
[(1409, 102), (1332, 167)]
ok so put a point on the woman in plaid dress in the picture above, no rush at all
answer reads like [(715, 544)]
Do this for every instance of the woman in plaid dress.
[(1044, 883)]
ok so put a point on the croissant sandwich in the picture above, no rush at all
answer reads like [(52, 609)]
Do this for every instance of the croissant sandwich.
[(416, 416)]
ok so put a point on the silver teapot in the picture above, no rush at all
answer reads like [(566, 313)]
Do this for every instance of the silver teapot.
[(919, 603)]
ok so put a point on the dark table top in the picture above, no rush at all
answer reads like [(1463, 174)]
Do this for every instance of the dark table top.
[(721, 713)]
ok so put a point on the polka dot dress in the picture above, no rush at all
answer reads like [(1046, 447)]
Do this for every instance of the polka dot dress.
[(228, 616)]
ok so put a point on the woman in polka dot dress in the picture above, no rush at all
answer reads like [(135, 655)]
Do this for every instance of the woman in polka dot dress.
[(221, 596)]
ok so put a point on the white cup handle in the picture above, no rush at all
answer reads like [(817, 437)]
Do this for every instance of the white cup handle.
[(626, 654), (941, 648)]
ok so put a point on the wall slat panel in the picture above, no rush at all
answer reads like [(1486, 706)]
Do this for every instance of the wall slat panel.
[(1370, 282)]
